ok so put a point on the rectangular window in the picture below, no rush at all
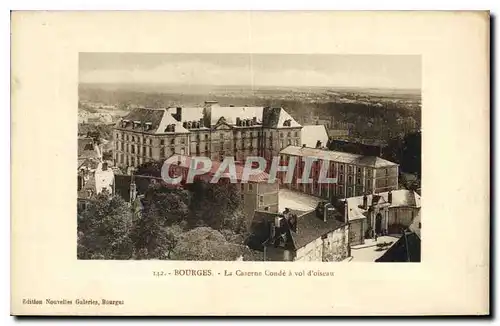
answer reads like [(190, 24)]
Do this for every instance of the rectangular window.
[(250, 187), (261, 200), (150, 152)]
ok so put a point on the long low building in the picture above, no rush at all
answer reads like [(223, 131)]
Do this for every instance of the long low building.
[(356, 174)]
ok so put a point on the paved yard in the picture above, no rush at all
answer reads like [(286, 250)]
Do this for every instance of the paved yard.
[(369, 252)]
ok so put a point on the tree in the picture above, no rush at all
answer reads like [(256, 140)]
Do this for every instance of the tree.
[(204, 243), (152, 168), (171, 205), (218, 205), (411, 159), (104, 229), (153, 237)]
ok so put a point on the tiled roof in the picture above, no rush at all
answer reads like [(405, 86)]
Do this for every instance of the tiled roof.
[(86, 148), (230, 113), (406, 249), (188, 113), (276, 118), (312, 133), (156, 119), (186, 163), (142, 183), (341, 157), (400, 198), (89, 185), (310, 227), (269, 117)]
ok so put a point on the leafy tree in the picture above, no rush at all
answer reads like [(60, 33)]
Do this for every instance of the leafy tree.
[(171, 205), (216, 205), (152, 238), (152, 168), (104, 229), (204, 243), (411, 158)]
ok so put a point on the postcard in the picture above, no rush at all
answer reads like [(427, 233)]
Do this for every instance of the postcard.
[(250, 163)]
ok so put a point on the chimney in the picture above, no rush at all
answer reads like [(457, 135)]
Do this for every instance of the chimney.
[(277, 220), (365, 201), (133, 189), (346, 211), (178, 114), (389, 197)]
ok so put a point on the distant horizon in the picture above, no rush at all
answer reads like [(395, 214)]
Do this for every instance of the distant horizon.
[(343, 87), (254, 69)]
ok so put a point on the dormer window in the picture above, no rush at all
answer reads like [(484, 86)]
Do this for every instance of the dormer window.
[(148, 126), (125, 123), (170, 128), (136, 124), (287, 123)]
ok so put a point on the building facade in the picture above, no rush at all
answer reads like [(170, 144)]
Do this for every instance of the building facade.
[(257, 194), (306, 237), (356, 174), (212, 131), (382, 213)]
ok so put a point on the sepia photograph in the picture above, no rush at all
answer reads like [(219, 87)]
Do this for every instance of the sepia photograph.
[(249, 157), (222, 156)]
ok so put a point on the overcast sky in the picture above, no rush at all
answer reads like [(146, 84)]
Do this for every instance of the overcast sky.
[(376, 71)]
